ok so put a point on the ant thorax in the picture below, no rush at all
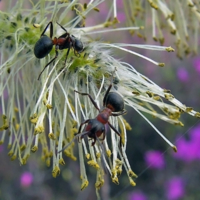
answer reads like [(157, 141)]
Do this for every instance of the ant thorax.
[(104, 115)]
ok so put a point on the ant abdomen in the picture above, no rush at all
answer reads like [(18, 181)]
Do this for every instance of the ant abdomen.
[(43, 47), (114, 102)]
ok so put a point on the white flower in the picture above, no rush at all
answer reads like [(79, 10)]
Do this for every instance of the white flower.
[(46, 114)]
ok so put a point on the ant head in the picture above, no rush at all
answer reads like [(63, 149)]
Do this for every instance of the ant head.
[(77, 44), (114, 102)]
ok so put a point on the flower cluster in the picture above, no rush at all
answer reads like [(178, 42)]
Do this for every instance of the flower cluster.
[(46, 114), (180, 18)]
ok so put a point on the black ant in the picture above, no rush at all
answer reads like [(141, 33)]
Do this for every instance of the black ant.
[(113, 105), (66, 41)]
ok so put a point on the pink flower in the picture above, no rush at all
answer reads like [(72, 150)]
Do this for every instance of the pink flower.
[(155, 159), (182, 74), (175, 188), (197, 64), (137, 196), (26, 179), (188, 150)]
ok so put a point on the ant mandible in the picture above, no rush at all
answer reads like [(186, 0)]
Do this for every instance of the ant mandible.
[(66, 41), (113, 105)]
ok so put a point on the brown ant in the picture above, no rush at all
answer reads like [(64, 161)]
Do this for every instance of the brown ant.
[(113, 105), (66, 41)]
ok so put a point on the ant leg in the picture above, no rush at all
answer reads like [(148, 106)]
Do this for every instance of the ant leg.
[(93, 143), (104, 135), (119, 113), (56, 50), (62, 27), (116, 131), (67, 55), (91, 99), (77, 136), (51, 29), (108, 90), (80, 127)]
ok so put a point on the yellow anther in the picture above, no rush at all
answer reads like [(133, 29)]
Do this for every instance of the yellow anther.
[(156, 98), (87, 156), (84, 184), (132, 174), (132, 182), (189, 109), (98, 155), (39, 129), (127, 125), (169, 96), (169, 49), (74, 123), (16, 127), (115, 180), (149, 93), (96, 9), (34, 149), (10, 153), (49, 106), (68, 153), (99, 184), (22, 147), (52, 136), (93, 164), (175, 149), (162, 41), (56, 171), (136, 93), (13, 157), (48, 162), (34, 118), (16, 109), (24, 159), (85, 6), (155, 39), (108, 153), (197, 115), (116, 21), (161, 64), (61, 161)]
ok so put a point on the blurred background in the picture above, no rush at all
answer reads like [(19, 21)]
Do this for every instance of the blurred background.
[(162, 174)]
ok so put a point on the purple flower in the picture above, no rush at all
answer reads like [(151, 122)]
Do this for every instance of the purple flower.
[(137, 196), (1, 148), (26, 179), (197, 64), (188, 150), (182, 75), (155, 159), (195, 133), (175, 188)]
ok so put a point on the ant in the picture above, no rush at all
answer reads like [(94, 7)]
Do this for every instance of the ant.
[(113, 105), (66, 41)]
